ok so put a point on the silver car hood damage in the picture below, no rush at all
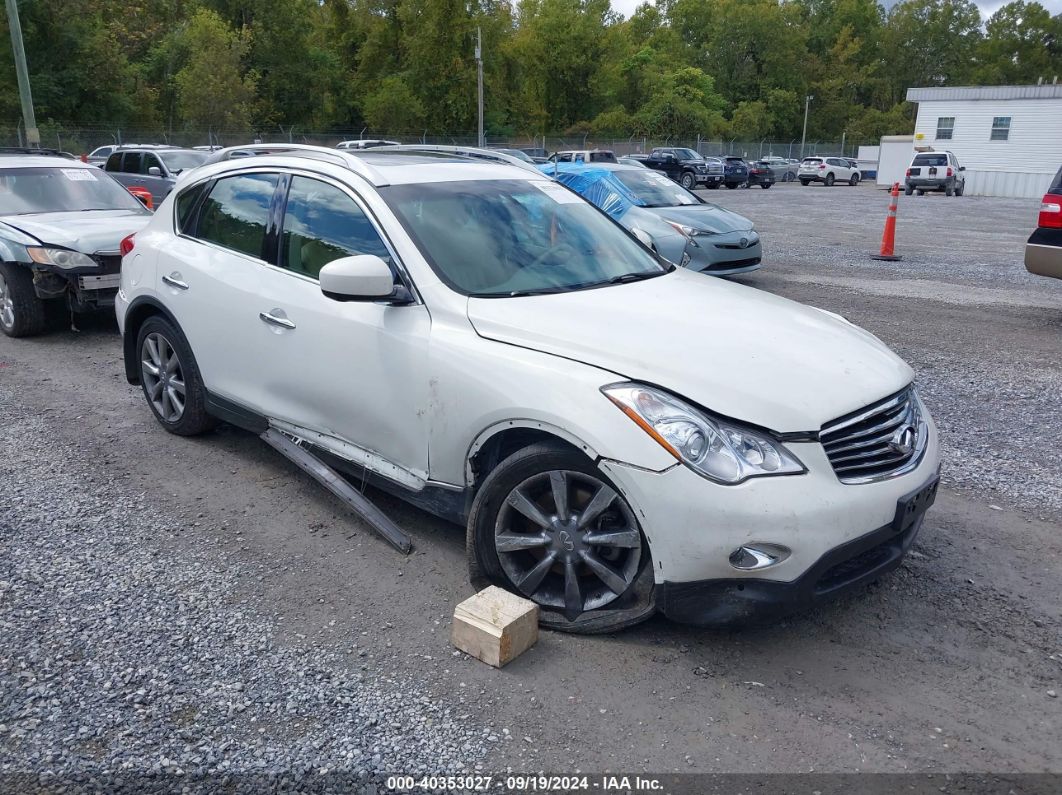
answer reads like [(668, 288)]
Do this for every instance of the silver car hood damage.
[(84, 231)]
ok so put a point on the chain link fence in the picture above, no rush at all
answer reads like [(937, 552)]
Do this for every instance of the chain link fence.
[(79, 140)]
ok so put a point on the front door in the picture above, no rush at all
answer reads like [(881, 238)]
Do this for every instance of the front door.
[(355, 372)]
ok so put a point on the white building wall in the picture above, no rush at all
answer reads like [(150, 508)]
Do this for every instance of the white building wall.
[(1021, 166)]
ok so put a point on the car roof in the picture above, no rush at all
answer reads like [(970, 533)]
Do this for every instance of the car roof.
[(382, 166), (41, 161)]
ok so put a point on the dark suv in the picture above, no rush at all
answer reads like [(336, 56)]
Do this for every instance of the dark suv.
[(152, 167), (735, 171)]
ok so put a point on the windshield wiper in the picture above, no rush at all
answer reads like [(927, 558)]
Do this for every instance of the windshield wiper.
[(635, 277)]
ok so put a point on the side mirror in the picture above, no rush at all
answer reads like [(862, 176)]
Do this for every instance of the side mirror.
[(962, 168), (364, 277), (643, 236), (155, 171)]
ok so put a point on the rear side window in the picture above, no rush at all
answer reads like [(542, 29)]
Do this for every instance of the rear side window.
[(186, 202), (602, 157), (236, 213), (322, 224)]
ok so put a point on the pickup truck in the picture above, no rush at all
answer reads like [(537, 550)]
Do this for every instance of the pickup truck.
[(685, 166)]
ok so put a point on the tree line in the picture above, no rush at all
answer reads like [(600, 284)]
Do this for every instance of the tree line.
[(714, 68)]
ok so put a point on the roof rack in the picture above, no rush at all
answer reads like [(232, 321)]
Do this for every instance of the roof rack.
[(472, 152), (339, 157)]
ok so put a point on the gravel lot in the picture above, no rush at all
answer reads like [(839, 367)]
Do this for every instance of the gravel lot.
[(196, 604)]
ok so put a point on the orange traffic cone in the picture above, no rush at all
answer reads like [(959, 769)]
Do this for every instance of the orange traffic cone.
[(888, 238)]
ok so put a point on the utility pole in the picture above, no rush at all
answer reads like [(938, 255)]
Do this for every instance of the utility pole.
[(479, 76), (804, 135), (33, 136)]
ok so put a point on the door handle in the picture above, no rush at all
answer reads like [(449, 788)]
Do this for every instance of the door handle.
[(275, 320), (173, 280)]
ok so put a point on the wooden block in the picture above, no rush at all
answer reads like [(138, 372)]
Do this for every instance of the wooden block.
[(495, 626)]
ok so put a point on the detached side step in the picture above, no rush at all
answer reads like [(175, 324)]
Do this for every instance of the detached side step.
[(331, 480)]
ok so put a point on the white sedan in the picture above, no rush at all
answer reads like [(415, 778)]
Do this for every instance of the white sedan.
[(619, 436)]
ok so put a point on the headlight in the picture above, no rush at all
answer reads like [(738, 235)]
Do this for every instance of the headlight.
[(717, 449), (687, 231), (61, 258)]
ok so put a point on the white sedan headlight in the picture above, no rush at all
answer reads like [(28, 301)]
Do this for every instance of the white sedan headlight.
[(61, 257), (717, 449)]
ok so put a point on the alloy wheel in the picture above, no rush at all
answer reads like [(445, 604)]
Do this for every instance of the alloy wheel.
[(568, 541), (7, 305), (163, 377)]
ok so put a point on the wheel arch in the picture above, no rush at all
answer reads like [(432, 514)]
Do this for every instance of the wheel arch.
[(497, 442), (135, 316)]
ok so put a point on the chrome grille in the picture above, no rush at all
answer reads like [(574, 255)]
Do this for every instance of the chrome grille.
[(882, 441)]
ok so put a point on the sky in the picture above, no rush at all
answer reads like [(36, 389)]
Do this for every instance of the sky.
[(988, 7)]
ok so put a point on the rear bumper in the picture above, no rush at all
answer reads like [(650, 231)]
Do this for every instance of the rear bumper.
[(1043, 253), (924, 183), (715, 603)]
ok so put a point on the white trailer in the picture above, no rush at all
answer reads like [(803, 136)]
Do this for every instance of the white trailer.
[(894, 156)]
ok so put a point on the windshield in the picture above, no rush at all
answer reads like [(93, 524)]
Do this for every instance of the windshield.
[(687, 154), (56, 190), (496, 238), (179, 161), (655, 190)]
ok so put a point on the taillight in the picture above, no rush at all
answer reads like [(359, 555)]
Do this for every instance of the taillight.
[(1051, 212), (949, 171), (908, 173), (126, 246), (822, 165)]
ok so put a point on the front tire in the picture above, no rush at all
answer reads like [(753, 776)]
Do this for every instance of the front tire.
[(766, 185), (853, 180), (170, 380), (960, 188), (22, 313), (688, 181), (731, 185), (549, 525)]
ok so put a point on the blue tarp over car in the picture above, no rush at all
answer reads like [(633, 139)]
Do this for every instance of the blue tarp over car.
[(598, 186)]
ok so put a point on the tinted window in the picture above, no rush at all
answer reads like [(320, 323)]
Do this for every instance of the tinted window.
[(148, 161), (322, 224), (114, 162), (131, 163), (503, 237), (930, 160), (236, 213), (602, 157), (1056, 186), (185, 203)]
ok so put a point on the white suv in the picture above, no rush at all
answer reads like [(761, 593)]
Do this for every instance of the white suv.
[(618, 435), (827, 170)]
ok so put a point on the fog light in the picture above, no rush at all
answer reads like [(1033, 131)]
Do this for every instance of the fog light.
[(756, 557)]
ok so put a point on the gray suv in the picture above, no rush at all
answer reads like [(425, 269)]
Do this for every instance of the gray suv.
[(152, 167), (938, 171)]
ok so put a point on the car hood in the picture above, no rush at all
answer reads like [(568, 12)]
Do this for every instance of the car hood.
[(735, 350), (85, 231), (706, 217)]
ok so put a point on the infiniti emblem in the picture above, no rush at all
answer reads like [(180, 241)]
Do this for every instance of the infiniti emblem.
[(903, 441), (566, 541)]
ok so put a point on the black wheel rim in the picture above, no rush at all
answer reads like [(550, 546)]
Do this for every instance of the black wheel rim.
[(568, 541)]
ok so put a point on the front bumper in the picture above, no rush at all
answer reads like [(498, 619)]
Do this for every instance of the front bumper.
[(710, 179), (724, 254), (693, 526)]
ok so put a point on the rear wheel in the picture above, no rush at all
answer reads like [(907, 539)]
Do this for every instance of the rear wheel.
[(688, 181), (805, 182), (22, 313), (548, 524), (908, 190), (766, 185), (169, 377), (829, 180), (731, 185), (920, 192)]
